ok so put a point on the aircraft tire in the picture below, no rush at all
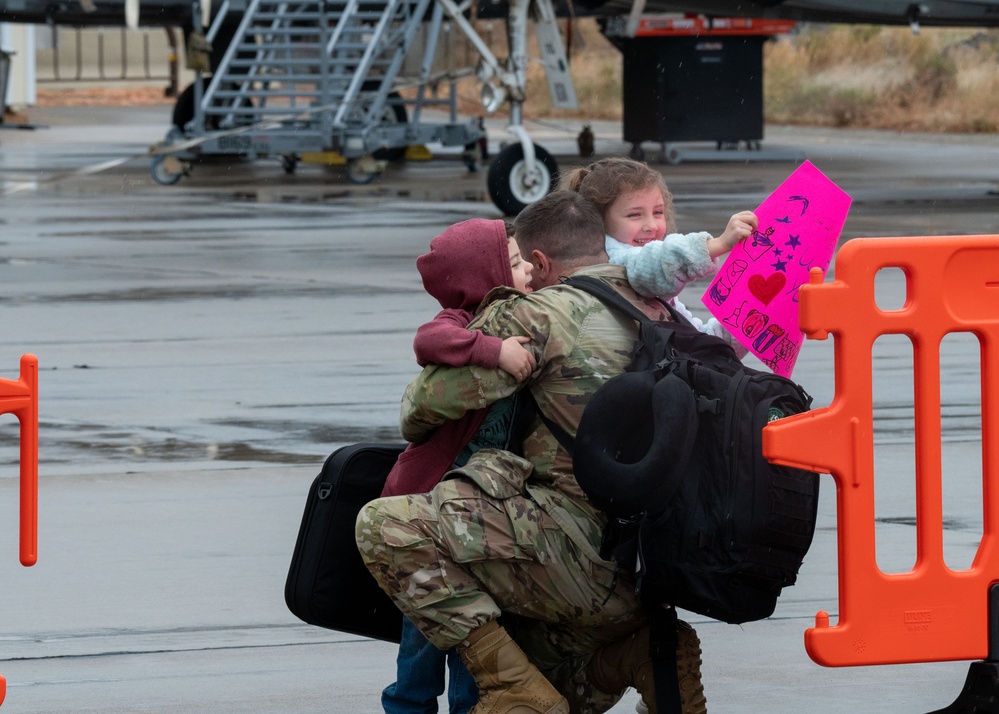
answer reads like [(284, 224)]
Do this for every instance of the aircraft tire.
[(509, 186)]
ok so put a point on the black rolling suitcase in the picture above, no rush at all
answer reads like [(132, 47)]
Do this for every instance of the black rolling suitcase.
[(328, 584)]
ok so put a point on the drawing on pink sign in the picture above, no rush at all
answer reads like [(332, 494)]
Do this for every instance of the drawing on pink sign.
[(799, 227), (730, 275), (766, 289)]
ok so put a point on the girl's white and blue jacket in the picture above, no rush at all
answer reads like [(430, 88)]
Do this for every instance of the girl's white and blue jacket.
[(661, 268)]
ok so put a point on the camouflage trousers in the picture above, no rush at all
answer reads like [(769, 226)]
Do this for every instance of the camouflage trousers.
[(456, 558)]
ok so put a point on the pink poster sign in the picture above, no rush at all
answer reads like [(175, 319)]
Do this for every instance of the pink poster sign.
[(755, 294)]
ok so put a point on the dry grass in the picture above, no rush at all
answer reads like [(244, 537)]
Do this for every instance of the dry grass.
[(941, 80), (107, 96)]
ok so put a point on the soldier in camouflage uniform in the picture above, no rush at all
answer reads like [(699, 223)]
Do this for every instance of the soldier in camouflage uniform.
[(517, 536)]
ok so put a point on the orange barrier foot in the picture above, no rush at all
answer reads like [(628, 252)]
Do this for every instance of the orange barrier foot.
[(3, 689)]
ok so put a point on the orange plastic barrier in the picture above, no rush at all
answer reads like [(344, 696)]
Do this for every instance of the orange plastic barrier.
[(931, 613), (20, 397)]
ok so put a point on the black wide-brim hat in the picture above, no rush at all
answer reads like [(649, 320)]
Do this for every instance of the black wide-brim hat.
[(634, 443)]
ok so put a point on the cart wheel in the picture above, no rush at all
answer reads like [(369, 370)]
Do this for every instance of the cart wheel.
[(362, 171), (289, 162), (671, 154), (167, 170), (510, 185)]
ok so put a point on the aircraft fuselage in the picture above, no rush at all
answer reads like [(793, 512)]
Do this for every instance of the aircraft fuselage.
[(969, 13)]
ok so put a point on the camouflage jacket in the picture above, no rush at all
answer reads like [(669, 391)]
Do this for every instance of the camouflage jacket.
[(579, 344)]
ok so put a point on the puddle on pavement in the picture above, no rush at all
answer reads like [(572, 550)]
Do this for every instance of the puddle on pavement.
[(949, 524), (90, 446), (228, 292)]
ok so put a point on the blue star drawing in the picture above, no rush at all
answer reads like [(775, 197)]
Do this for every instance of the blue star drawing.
[(780, 265), (785, 219), (793, 241), (777, 253)]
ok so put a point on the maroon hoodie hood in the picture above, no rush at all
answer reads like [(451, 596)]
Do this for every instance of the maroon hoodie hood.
[(465, 262)]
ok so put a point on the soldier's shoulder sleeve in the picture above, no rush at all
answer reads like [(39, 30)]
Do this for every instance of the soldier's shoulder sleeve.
[(438, 394)]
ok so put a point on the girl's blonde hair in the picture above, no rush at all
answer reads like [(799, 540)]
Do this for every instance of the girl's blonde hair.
[(603, 181)]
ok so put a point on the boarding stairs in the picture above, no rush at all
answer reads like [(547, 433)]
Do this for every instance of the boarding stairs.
[(314, 76), (297, 56)]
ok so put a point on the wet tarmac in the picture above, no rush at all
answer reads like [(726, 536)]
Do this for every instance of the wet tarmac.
[(247, 316), (204, 346)]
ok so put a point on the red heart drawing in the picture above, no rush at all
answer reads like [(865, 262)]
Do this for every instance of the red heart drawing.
[(766, 289)]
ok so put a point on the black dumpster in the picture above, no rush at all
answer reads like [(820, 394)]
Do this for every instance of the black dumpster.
[(693, 89)]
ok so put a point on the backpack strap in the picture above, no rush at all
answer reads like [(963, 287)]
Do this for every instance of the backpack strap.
[(663, 641), (683, 336), (612, 298), (663, 637), (524, 409)]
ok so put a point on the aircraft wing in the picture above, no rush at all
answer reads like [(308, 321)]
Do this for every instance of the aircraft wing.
[(967, 13), (956, 13), (94, 13)]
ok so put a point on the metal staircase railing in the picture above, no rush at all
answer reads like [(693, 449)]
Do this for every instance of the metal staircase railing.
[(297, 56)]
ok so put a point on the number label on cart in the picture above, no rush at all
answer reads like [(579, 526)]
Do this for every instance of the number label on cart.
[(235, 143)]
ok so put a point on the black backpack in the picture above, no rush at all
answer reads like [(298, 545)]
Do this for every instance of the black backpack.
[(671, 450)]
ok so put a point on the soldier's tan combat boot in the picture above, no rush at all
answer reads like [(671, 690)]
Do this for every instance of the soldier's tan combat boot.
[(508, 682), (627, 663)]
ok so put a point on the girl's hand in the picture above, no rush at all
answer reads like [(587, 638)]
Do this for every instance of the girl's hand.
[(740, 226), (515, 359)]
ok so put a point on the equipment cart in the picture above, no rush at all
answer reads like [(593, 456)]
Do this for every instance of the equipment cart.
[(309, 77)]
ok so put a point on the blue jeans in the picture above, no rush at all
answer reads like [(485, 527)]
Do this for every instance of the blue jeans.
[(420, 678)]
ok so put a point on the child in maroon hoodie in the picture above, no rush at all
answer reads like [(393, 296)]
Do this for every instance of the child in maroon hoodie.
[(465, 262)]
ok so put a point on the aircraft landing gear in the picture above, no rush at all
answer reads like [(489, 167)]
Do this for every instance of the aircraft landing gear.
[(521, 173), (512, 185)]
